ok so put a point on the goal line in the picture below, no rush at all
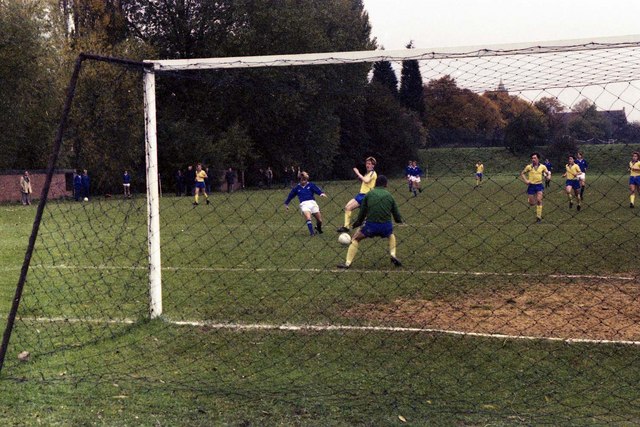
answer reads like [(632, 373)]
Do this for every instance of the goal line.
[(331, 328)]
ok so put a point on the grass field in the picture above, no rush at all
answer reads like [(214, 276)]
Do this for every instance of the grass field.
[(261, 328)]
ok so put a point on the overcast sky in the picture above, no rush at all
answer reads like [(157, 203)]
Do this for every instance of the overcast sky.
[(449, 23)]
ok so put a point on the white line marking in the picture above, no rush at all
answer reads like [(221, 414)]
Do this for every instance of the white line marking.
[(335, 270), (330, 328)]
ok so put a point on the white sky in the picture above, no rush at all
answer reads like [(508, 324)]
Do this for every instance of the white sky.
[(449, 23)]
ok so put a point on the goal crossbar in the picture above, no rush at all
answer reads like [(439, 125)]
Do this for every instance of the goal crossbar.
[(394, 55)]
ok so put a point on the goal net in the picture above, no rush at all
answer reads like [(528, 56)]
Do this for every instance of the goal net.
[(501, 296)]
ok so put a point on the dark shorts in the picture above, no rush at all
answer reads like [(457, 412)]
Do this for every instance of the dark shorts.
[(377, 229), (200, 185), (634, 180), (534, 188), (479, 175), (359, 197), (573, 183)]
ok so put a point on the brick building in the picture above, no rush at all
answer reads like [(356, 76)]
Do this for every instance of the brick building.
[(61, 185)]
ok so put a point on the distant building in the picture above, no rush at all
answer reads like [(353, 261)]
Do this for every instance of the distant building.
[(61, 184)]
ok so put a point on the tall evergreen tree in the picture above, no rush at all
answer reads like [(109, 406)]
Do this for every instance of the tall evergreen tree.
[(411, 88), (384, 75)]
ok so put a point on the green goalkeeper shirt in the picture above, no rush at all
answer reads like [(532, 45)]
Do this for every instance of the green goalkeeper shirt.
[(378, 206)]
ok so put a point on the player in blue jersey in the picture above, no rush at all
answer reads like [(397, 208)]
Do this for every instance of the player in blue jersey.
[(547, 179), (126, 184), (308, 206), (408, 172), (582, 163), (415, 178)]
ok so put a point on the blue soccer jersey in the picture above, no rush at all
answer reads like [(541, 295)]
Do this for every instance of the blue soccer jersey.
[(304, 193), (582, 163)]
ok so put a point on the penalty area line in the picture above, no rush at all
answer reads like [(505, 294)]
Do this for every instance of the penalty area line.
[(333, 328)]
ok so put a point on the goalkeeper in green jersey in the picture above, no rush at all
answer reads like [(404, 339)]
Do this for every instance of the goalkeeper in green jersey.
[(376, 211)]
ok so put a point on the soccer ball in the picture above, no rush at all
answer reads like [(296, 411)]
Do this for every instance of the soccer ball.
[(344, 238), (86, 199)]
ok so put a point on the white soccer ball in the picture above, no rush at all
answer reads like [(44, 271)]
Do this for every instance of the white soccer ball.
[(344, 239), (86, 199)]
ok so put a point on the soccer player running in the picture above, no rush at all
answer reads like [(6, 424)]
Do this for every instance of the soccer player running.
[(415, 178), (582, 162), (634, 178), (479, 173), (572, 184), (200, 185), (408, 171), (368, 182), (308, 206), (532, 175), (378, 207), (547, 180)]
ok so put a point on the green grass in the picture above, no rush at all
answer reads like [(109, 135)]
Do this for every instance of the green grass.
[(245, 260)]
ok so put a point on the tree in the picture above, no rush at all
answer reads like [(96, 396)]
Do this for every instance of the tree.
[(553, 111), (411, 87), (384, 75), (29, 91), (525, 131), (459, 116)]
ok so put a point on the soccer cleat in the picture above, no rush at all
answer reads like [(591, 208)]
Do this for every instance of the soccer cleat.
[(344, 266), (570, 205), (195, 203), (396, 261), (319, 229), (538, 219), (578, 208), (343, 230), (631, 205), (208, 202)]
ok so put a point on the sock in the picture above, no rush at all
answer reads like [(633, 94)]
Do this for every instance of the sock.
[(319, 225), (581, 191), (632, 198), (196, 197), (347, 218), (351, 252), (310, 226), (539, 211), (392, 245)]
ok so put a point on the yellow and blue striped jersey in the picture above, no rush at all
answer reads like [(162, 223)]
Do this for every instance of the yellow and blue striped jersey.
[(535, 174), (368, 186), (572, 171)]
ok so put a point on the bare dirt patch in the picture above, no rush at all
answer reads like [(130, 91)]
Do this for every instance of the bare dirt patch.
[(601, 311)]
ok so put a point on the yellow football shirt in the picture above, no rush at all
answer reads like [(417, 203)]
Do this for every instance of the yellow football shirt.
[(479, 168), (200, 176), (634, 165), (535, 174), (368, 186), (572, 171)]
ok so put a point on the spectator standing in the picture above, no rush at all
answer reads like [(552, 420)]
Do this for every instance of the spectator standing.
[(179, 183), (77, 186), (86, 183), (268, 174), (126, 184), (190, 180), (230, 178), (25, 189)]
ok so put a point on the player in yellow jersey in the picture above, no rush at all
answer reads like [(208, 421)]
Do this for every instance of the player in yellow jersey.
[(368, 181), (532, 175), (200, 185), (572, 170), (634, 178), (479, 173)]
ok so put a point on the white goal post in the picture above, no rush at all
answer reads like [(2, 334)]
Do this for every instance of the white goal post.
[(153, 192)]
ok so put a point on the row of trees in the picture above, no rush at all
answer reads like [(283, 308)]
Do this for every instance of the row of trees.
[(323, 118)]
